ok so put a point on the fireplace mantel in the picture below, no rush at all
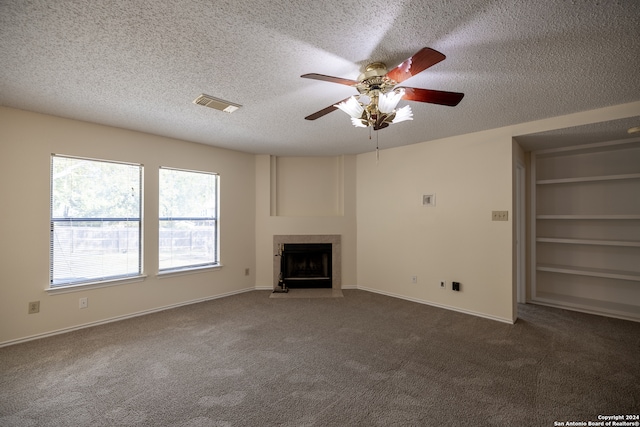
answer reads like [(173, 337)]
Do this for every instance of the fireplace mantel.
[(336, 253)]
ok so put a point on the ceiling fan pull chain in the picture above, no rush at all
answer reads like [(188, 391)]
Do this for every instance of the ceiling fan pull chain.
[(377, 149)]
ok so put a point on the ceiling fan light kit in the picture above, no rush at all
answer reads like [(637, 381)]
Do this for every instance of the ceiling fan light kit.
[(379, 93), (379, 112)]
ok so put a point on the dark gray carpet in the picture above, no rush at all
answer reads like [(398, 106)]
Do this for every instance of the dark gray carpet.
[(361, 360)]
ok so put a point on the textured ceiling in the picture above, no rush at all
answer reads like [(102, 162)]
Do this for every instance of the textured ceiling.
[(140, 64)]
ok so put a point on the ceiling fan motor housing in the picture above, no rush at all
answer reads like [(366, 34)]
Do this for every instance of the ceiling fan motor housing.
[(375, 78)]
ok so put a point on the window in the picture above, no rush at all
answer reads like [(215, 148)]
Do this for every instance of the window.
[(95, 221), (188, 230)]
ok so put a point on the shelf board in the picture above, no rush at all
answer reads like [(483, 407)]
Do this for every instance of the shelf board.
[(596, 242), (620, 310), (592, 272), (589, 179), (612, 217)]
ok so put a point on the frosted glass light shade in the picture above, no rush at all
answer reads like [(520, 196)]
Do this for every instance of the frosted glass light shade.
[(388, 101), (357, 123), (352, 107), (403, 114)]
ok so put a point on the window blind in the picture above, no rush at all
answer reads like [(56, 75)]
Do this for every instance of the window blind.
[(96, 220)]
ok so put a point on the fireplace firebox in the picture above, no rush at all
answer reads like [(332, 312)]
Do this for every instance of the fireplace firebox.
[(306, 265)]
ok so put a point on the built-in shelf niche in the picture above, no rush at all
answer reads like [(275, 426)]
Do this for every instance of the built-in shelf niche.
[(586, 206), (307, 186)]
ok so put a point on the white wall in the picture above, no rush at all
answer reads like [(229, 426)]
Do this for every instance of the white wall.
[(453, 241), (26, 143), (307, 186)]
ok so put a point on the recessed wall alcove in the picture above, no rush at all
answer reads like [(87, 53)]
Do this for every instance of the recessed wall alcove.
[(336, 253)]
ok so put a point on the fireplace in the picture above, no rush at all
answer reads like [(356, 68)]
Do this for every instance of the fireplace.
[(306, 265), (307, 261)]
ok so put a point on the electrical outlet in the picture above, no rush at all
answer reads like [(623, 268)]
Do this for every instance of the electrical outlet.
[(84, 302), (34, 307), (443, 284), (414, 279), (428, 200), (455, 286), (499, 215)]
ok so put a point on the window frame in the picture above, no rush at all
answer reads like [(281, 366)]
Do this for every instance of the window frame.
[(197, 266), (104, 279)]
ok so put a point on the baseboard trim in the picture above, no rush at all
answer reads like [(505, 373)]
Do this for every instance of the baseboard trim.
[(227, 294), (434, 304), (123, 317)]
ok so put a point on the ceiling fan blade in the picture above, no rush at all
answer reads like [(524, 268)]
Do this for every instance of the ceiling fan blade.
[(440, 97), (331, 79), (419, 62), (324, 111)]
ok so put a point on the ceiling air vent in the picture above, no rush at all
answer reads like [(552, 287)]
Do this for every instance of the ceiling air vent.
[(218, 104)]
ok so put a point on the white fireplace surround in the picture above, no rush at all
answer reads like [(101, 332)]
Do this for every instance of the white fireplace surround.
[(336, 253)]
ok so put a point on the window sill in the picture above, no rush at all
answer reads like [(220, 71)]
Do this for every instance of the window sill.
[(94, 285), (171, 273)]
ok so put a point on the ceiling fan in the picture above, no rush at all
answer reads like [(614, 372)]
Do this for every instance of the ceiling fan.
[(379, 92)]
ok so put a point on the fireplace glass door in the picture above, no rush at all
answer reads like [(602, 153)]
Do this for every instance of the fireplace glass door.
[(307, 265)]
